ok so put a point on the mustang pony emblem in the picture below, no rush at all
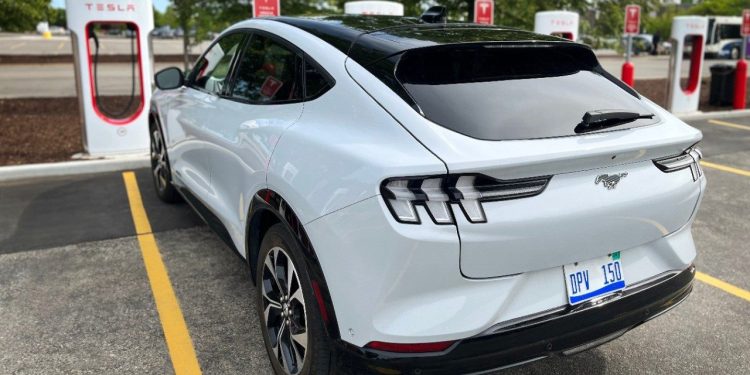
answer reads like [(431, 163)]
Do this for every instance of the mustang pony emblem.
[(609, 181)]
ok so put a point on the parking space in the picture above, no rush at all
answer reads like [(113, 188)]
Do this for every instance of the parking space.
[(81, 290)]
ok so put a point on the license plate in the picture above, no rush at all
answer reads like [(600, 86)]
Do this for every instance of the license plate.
[(594, 278)]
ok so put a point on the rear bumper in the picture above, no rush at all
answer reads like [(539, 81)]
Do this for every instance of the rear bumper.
[(564, 332)]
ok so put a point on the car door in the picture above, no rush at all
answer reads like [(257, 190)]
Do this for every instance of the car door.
[(263, 99), (193, 112)]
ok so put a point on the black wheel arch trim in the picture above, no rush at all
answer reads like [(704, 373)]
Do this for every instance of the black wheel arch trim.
[(268, 202)]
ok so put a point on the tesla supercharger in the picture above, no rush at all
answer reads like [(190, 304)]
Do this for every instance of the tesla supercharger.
[(558, 23), (113, 97), (686, 31)]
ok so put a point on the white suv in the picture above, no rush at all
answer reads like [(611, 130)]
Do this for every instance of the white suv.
[(430, 198)]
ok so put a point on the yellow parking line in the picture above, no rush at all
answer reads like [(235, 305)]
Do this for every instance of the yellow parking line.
[(729, 288), (17, 45), (729, 124), (176, 333), (60, 46), (725, 168)]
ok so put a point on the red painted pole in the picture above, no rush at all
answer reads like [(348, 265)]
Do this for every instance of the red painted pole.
[(740, 84), (628, 73)]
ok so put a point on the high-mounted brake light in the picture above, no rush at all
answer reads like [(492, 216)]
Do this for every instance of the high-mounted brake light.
[(690, 158), (438, 193)]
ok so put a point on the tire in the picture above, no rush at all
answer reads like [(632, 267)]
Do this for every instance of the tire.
[(735, 54), (161, 173), (282, 304)]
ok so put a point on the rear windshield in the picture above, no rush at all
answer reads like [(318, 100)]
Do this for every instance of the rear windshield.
[(512, 91)]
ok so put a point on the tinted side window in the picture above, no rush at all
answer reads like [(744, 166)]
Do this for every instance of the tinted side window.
[(212, 69), (268, 72), (315, 82)]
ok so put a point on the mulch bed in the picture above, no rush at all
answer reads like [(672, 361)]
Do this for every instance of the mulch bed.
[(656, 90), (39, 130)]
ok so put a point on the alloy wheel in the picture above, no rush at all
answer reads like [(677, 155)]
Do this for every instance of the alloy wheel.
[(159, 166), (284, 311)]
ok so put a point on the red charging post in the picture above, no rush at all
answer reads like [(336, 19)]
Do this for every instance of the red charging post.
[(740, 78), (632, 27)]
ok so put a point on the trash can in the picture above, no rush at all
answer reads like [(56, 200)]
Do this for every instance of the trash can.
[(722, 85)]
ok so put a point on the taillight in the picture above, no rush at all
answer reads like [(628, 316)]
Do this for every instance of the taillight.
[(690, 158), (438, 193)]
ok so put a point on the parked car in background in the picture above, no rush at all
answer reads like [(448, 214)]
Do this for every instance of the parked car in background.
[(722, 30), (731, 50), (165, 32), (58, 30), (416, 198), (642, 43)]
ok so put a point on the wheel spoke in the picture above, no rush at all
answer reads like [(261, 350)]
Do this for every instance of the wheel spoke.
[(297, 296), (298, 357), (157, 174), (269, 264), (271, 301), (301, 339), (277, 347), (267, 312), (285, 348), (290, 275)]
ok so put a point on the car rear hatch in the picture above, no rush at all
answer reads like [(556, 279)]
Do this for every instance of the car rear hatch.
[(508, 112)]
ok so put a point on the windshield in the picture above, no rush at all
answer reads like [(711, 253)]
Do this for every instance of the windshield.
[(497, 92)]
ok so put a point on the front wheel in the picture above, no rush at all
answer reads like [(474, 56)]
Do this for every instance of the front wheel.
[(160, 171), (292, 328)]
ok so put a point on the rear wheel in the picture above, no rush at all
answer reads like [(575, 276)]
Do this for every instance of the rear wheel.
[(292, 328), (160, 171)]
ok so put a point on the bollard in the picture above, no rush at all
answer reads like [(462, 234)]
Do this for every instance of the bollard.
[(740, 85), (628, 72)]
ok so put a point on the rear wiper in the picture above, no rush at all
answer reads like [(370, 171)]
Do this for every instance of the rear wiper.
[(596, 120)]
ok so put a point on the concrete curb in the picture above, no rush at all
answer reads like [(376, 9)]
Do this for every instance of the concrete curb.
[(77, 167), (715, 115)]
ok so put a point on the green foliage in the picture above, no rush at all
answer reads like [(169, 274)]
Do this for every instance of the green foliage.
[(720, 7), (22, 15), (57, 17)]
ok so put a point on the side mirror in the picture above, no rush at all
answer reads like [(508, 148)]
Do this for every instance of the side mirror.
[(169, 78)]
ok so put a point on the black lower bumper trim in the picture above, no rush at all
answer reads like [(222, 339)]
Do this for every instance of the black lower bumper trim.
[(568, 333)]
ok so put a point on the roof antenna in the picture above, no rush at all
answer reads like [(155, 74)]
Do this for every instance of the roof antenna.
[(436, 14)]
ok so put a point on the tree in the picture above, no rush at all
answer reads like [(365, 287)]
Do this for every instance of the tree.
[(23, 15), (720, 7), (57, 17), (185, 11)]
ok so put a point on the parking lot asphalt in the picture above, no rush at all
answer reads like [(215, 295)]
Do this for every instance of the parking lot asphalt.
[(77, 286)]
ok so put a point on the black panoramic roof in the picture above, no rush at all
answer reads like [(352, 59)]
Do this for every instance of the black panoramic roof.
[(367, 39)]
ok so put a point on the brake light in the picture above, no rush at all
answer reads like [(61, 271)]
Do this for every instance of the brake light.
[(438, 193), (690, 158), (429, 347)]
